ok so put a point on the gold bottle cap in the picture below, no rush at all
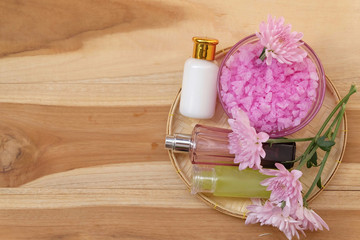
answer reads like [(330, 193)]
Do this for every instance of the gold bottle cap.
[(204, 48)]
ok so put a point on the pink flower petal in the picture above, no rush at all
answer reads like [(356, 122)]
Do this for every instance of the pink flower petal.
[(244, 142), (280, 42), (263, 137)]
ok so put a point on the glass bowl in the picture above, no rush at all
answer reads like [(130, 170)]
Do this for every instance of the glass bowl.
[(320, 89)]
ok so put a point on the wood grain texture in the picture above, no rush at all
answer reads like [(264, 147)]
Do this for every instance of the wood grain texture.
[(85, 90)]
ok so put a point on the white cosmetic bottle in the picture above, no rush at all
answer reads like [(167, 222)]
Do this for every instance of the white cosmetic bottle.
[(198, 94)]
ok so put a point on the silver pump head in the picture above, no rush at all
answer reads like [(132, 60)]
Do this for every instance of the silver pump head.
[(179, 142)]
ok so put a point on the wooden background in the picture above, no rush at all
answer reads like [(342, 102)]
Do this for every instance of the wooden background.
[(85, 90)]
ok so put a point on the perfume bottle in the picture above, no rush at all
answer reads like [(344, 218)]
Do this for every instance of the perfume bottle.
[(209, 145), (228, 181), (198, 93)]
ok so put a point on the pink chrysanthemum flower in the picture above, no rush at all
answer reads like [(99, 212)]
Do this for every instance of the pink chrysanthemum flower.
[(279, 42), (311, 220), (273, 215), (244, 142), (284, 209), (285, 186)]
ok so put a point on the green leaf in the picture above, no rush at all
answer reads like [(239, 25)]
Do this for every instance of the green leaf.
[(312, 162), (325, 144), (319, 183), (308, 164), (329, 135), (314, 159)]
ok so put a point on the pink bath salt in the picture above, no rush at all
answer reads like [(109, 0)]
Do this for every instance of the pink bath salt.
[(271, 118), (302, 115), (246, 102), (276, 96), (229, 100), (225, 77), (284, 123), (258, 61), (314, 76), (282, 104), (295, 113), (310, 64), (266, 128), (288, 71), (297, 121), (294, 97), (311, 94), (268, 97), (280, 78), (302, 105), (269, 76), (229, 61), (238, 87), (300, 67), (314, 84), (265, 108), (247, 76), (267, 89), (245, 57), (256, 114), (304, 83)]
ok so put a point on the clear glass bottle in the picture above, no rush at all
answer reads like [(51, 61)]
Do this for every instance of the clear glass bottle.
[(209, 145), (228, 181)]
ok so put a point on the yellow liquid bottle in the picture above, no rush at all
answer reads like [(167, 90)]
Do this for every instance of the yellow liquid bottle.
[(228, 181)]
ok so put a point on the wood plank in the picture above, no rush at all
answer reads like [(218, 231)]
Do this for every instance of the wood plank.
[(40, 140), (85, 89), (346, 178), (134, 223), (32, 198), (156, 175), (118, 93), (39, 198), (110, 46), (131, 184), (352, 152), (26, 21)]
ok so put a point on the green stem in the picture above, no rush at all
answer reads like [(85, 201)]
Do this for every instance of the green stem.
[(326, 155), (333, 123), (344, 100), (317, 177), (307, 158), (293, 161), (263, 55), (285, 140), (309, 155), (301, 157)]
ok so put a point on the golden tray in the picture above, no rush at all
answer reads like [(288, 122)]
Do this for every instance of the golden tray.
[(237, 206)]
